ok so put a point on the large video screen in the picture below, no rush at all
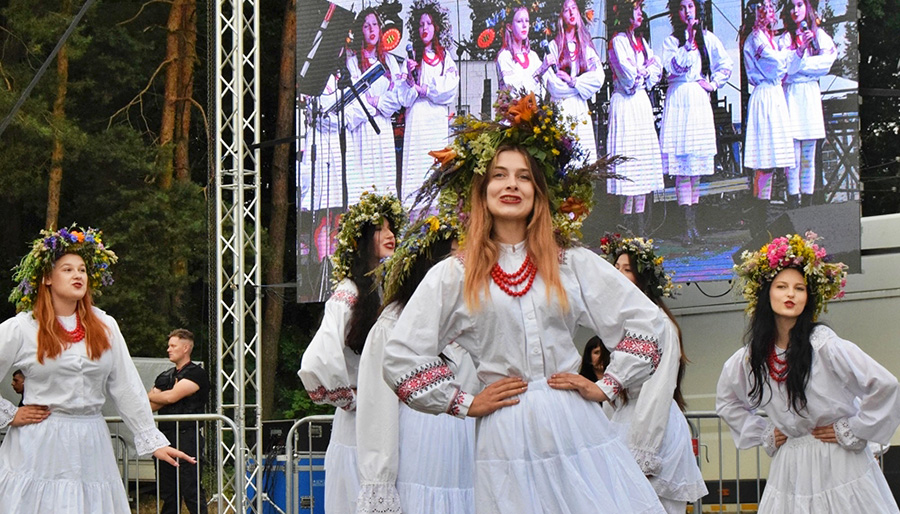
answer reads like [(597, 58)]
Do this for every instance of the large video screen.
[(740, 120)]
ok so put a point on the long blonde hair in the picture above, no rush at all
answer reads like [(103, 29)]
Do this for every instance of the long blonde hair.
[(51, 335), (481, 252)]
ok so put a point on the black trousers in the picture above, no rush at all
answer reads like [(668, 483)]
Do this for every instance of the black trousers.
[(183, 482)]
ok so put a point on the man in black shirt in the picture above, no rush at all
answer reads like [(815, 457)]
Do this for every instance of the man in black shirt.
[(181, 390), (18, 385)]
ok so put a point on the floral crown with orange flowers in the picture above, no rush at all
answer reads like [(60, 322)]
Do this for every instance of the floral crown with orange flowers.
[(649, 265), (792, 251), (48, 248), (538, 126)]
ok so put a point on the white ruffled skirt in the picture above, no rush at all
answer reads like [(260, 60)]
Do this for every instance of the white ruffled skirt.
[(437, 461), (808, 476), (769, 141), (687, 135), (679, 477), (804, 101), (341, 475), (63, 465), (556, 452), (632, 134)]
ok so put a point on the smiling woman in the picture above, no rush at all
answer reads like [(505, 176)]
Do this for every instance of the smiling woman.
[(73, 357)]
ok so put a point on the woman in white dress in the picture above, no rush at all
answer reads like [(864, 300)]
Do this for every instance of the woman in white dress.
[(578, 76), (768, 140), (330, 364), (428, 93), (534, 451), (812, 57), (652, 414), (518, 66), (632, 127), (825, 398), (371, 156), (57, 455), (410, 461), (696, 64)]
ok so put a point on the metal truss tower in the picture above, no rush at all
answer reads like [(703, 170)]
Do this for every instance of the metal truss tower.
[(237, 260)]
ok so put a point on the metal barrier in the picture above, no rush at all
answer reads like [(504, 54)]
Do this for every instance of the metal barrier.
[(290, 498), (229, 495)]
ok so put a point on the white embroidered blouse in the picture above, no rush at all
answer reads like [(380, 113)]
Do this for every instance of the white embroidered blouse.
[(528, 336), (847, 389)]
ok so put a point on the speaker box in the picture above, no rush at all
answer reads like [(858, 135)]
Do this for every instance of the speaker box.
[(837, 224)]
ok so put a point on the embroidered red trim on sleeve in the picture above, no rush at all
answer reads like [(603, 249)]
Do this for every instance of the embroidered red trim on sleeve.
[(422, 379)]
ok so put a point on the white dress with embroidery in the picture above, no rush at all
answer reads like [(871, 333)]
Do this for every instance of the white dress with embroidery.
[(573, 100), (801, 85), (371, 156), (687, 134), (769, 140), (657, 432), (632, 127), (553, 451), (410, 461), (427, 119), (513, 74), (66, 463), (328, 371), (847, 389)]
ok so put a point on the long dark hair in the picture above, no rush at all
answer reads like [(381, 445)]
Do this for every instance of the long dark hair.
[(641, 279), (622, 17), (438, 251), (365, 312), (760, 340), (587, 362), (380, 53), (812, 21), (679, 28)]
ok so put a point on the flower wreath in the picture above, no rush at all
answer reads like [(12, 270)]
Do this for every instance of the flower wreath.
[(440, 17), (543, 22), (373, 209), (792, 251), (649, 265), (416, 242), (537, 125), (52, 245)]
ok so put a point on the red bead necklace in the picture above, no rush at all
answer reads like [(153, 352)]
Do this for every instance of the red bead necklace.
[(522, 63), (506, 281), (432, 61), (75, 335), (778, 367)]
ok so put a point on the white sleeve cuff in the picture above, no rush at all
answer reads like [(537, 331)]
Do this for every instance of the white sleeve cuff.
[(768, 442), (378, 498), (845, 436), (459, 407), (148, 441), (649, 462), (7, 412)]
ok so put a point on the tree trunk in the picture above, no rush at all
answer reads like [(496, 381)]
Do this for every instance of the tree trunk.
[(165, 157), (58, 120), (187, 55), (274, 267)]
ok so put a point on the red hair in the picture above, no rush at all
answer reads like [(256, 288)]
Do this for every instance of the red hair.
[(51, 335), (482, 252)]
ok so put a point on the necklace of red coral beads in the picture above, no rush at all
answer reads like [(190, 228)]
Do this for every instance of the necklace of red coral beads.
[(506, 281), (777, 367), (76, 334)]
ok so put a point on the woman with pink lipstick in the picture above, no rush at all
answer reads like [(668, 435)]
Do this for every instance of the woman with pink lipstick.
[(428, 93), (57, 455), (812, 57), (632, 126), (331, 361), (579, 73), (768, 141), (518, 66), (371, 158), (824, 397), (696, 64)]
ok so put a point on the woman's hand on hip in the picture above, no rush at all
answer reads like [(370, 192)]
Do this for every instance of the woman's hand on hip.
[(501, 393), (30, 415), (572, 382), (825, 434)]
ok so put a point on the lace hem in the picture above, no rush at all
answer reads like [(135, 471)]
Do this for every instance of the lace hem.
[(649, 461), (768, 442), (378, 498), (845, 436), (7, 412), (148, 441)]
